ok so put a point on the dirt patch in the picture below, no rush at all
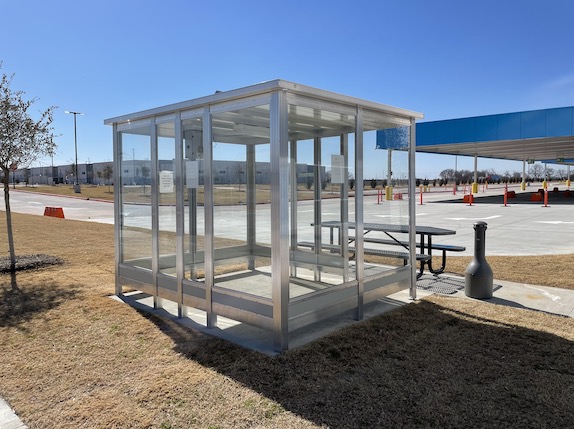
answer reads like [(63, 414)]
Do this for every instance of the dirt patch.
[(29, 262)]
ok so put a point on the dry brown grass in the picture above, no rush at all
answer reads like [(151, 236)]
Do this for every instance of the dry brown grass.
[(87, 191), (71, 357), (545, 270)]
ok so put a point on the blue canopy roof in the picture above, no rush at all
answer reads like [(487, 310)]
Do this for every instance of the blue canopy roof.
[(537, 135)]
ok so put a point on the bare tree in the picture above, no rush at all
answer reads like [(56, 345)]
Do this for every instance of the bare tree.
[(22, 141), (238, 169), (72, 171), (448, 174), (536, 171), (145, 175), (561, 173), (108, 172)]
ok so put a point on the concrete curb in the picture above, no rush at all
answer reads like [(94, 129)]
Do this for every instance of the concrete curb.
[(63, 196), (8, 419)]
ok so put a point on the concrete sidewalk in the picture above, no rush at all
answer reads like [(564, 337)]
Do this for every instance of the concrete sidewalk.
[(551, 300), (8, 419)]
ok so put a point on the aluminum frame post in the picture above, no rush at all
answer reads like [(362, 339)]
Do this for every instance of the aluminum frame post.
[(208, 218), (412, 210), (157, 302), (251, 204), (317, 201), (179, 216), (118, 206), (293, 198), (344, 206), (279, 139), (359, 216)]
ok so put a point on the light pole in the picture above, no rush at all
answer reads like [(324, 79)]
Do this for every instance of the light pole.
[(77, 189), (134, 166)]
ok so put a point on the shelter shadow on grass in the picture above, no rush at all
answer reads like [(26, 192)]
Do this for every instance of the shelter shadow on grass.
[(421, 365), (21, 303)]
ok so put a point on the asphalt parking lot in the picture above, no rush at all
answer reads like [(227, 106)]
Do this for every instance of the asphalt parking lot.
[(520, 228)]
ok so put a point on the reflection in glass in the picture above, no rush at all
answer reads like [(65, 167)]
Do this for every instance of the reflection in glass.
[(241, 172), (166, 198), (322, 165), (193, 192), (136, 237)]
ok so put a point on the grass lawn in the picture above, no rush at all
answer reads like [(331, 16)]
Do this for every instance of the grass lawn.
[(72, 357)]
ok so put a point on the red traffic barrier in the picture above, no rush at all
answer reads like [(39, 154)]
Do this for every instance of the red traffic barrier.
[(54, 212)]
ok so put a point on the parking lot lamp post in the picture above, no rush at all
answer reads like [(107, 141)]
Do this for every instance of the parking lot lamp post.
[(77, 188)]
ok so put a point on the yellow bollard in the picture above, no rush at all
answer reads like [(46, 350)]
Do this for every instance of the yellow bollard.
[(475, 188), (523, 186), (544, 185), (389, 193)]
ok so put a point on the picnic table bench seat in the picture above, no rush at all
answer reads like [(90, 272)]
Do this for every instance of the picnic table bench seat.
[(422, 258), (443, 247), (370, 251)]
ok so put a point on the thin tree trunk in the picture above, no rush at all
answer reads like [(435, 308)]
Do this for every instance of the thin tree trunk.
[(6, 181)]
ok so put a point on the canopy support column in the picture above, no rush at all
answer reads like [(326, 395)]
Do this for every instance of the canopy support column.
[(523, 184), (389, 190), (475, 181)]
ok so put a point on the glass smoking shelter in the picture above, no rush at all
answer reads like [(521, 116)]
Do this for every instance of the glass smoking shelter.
[(221, 204)]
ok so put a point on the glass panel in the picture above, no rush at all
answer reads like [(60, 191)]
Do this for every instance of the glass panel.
[(386, 199), (321, 215), (193, 171), (136, 222), (166, 198), (241, 173)]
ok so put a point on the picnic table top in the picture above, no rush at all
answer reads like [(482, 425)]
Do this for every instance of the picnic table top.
[(388, 227)]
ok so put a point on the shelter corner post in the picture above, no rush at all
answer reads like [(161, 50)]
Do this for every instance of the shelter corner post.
[(117, 143), (359, 216), (412, 210), (280, 219)]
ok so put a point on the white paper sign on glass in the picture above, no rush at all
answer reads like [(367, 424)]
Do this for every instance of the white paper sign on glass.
[(165, 182)]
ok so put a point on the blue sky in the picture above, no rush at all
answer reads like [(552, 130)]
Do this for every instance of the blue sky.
[(443, 58)]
